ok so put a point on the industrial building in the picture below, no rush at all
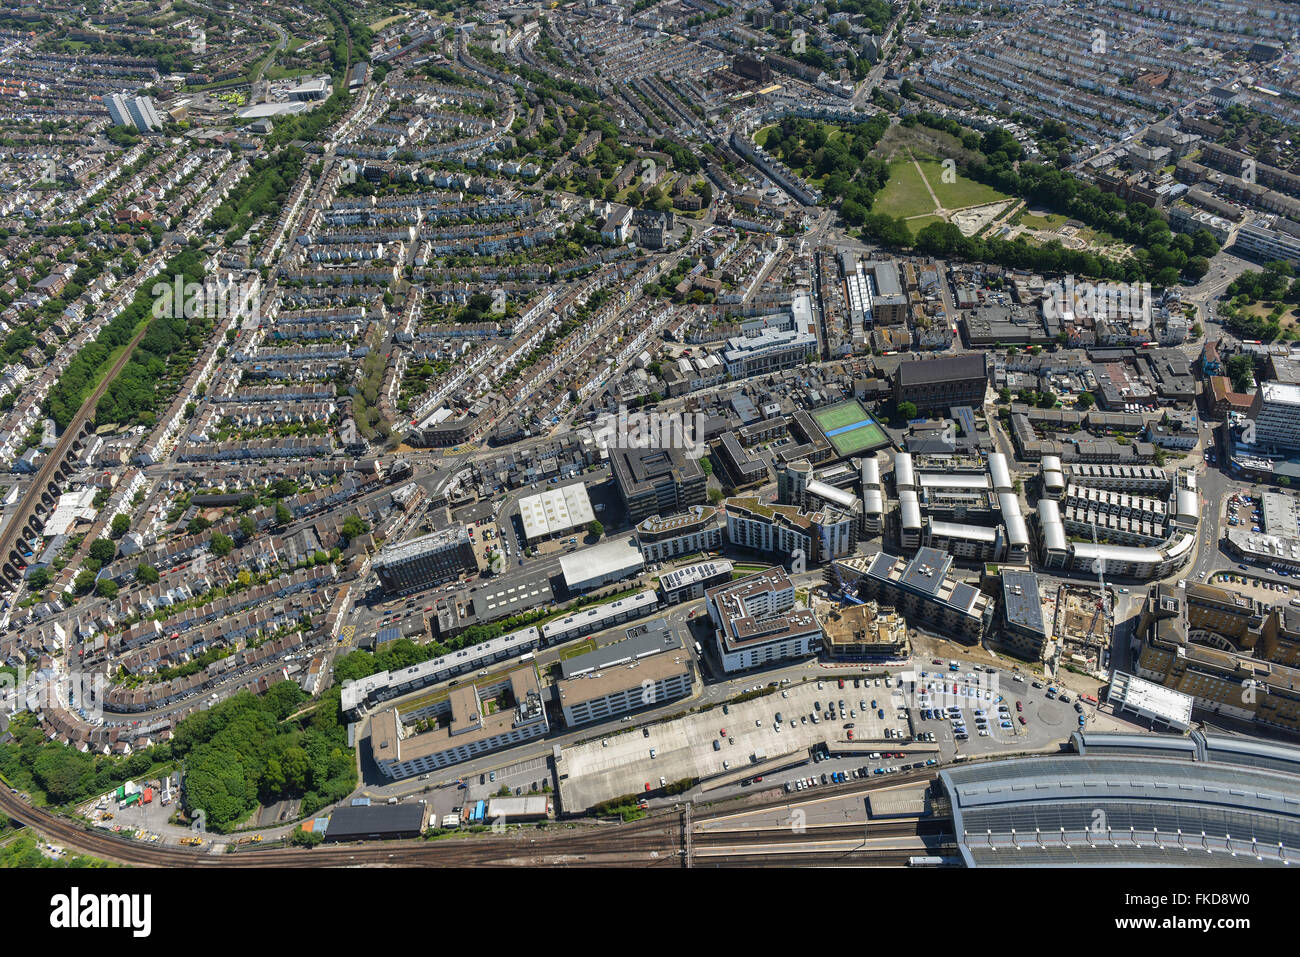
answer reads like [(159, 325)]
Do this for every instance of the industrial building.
[(602, 564), (376, 822), (556, 511)]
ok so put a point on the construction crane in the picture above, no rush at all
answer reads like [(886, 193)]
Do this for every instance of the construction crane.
[(845, 591), (1102, 602)]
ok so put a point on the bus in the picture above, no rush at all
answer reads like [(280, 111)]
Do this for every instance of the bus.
[(925, 862), (526, 657), (699, 652)]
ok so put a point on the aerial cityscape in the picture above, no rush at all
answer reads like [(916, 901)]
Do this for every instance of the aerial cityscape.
[(649, 434)]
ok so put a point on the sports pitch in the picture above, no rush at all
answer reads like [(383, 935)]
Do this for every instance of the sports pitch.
[(849, 427)]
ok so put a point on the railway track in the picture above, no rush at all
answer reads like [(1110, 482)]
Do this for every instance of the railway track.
[(654, 841)]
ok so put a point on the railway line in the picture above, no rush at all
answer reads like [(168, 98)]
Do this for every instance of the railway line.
[(654, 841)]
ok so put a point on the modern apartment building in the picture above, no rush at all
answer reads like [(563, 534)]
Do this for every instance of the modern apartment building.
[(922, 590), (1267, 245), (699, 529), (137, 111), (757, 624), (821, 535)]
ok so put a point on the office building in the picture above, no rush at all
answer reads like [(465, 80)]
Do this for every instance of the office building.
[(648, 667), (425, 561), (658, 482), (466, 728), (1275, 413)]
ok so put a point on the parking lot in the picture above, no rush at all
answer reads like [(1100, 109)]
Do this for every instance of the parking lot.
[(1046, 718), (734, 736)]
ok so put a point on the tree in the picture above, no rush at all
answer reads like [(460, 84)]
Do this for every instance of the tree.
[(103, 550), (247, 527), (1283, 480), (715, 496), (354, 526), (907, 411), (147, 574), (1085, 401), (121, 525), (595, 528), (222, 545), (84, 581), (282, 514), (106, 588), (39, 579)]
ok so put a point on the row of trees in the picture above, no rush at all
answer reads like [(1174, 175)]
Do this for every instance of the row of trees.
[(244, 751)]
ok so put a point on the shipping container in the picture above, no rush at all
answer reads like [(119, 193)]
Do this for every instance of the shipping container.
[(148, 796)]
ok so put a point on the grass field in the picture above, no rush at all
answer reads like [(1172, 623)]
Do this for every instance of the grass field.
[(961, 193), (1050, 221), (904, 193), (860, 430), (920, 222)]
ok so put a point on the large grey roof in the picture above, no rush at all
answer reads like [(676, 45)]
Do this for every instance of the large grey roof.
[(1107, 809)]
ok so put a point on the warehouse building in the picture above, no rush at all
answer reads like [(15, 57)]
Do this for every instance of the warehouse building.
[(556, 511), (602, 564), (376, 822)]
